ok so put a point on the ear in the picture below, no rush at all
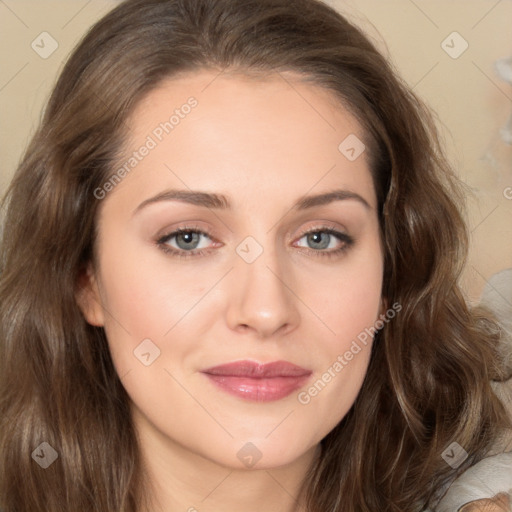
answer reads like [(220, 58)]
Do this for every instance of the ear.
[(88, 297)]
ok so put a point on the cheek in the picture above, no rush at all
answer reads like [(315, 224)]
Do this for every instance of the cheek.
[(348, 299), (147, 294), (146, 290), (337, 383), (351, 310), (142, 302)]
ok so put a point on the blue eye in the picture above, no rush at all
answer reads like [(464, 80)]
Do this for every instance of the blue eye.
[(185, 242), (320, 239), (188, 239)]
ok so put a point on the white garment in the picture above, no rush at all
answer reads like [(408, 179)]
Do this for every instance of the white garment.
[(486, 479)]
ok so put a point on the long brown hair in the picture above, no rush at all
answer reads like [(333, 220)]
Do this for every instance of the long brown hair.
[(428, 383)]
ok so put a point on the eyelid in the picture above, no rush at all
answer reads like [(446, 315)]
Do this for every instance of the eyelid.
[(320, 225), (187, 226), (186, 229), (323, 227), (344, 238)]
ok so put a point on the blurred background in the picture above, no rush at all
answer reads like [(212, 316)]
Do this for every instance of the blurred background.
[(446, 50)]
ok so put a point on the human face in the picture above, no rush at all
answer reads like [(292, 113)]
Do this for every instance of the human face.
[(260, 290)]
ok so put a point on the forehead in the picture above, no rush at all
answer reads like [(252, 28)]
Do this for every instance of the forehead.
[(276, 132), (280, 96)]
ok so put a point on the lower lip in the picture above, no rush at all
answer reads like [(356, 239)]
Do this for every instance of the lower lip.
[(258, 390)]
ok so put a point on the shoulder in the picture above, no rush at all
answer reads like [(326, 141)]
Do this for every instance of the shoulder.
[(486, 484)]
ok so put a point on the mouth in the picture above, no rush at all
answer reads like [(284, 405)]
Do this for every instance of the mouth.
[(258, 382)]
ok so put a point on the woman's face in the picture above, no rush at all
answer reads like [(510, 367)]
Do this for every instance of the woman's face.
[(280, 262)]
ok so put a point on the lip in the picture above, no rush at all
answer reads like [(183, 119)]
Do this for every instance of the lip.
[(258, 382)]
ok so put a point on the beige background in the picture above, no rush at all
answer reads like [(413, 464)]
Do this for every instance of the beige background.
[(471, 101)]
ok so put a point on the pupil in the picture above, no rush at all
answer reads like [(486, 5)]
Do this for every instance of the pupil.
[(316, 238), (188, 238)]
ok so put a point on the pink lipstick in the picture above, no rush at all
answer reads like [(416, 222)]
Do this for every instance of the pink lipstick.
[(258, 382)]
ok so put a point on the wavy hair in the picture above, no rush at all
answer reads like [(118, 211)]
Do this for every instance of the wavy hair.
[(428, 382)]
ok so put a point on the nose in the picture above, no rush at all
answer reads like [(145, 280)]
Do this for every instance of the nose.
[(262, 298)]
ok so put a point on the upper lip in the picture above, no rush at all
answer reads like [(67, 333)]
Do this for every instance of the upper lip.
[(254, 370)]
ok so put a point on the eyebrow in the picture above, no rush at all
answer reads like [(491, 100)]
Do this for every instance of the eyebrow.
[(219, 201)]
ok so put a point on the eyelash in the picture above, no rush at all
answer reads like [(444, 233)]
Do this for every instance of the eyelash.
[(347, 240)]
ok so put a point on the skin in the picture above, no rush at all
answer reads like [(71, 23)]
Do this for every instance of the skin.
[(500, 503), (263, 144)]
